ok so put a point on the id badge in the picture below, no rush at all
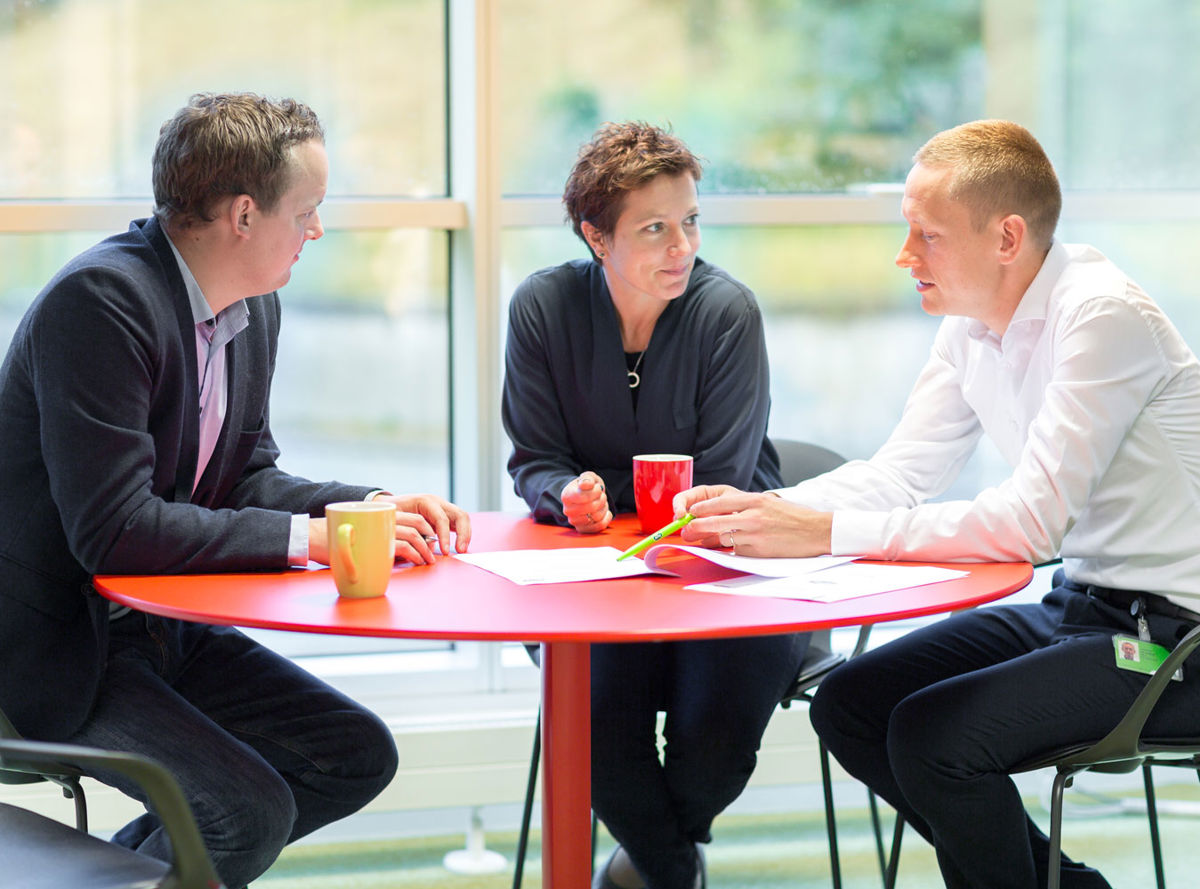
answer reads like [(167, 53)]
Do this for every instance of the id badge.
[(1140, 656)]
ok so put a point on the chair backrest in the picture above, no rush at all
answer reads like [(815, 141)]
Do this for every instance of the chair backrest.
[(7, 730), (60, 856), (1124, 743), (62, 777), (800, 460)]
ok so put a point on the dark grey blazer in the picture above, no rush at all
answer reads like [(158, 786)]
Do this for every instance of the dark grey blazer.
[(99, 413)]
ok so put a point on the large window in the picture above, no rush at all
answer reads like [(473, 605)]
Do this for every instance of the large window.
[(452, 125)]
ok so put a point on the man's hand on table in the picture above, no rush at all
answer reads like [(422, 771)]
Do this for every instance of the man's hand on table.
[(421, 521)]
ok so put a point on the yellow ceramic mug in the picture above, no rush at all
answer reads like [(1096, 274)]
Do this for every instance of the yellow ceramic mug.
[(362, 548)]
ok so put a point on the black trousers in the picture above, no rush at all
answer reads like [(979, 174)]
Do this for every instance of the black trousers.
[(934, 721), (718, 696)]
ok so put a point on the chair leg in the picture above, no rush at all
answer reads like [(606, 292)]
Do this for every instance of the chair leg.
[(595, 834), (1152, 815), (878, 828), (835, 867), (527, 814), (1054, 873), (889, 876), (81, 818)]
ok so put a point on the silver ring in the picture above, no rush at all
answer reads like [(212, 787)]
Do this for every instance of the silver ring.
[(729, 531)]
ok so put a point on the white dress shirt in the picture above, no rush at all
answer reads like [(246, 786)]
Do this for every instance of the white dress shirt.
[(1093, 398)]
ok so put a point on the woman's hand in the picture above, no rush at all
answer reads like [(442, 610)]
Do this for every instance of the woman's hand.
[(761, 525), (585, 504)]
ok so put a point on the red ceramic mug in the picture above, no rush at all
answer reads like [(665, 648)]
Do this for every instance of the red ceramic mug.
[(657, 478)]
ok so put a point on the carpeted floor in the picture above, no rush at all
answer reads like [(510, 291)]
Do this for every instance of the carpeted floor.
[(763, 852)]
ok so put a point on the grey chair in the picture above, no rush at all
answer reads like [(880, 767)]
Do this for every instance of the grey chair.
[(37, 852), (69, 783), (1123, 750), (802, 460), (798, 461)]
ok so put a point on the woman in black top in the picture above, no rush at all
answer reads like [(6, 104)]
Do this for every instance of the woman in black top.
[(646, 348)]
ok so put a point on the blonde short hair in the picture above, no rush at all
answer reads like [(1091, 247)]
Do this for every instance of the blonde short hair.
[(999, 168)]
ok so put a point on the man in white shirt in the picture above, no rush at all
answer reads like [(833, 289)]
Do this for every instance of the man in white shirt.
[(1093, 397)]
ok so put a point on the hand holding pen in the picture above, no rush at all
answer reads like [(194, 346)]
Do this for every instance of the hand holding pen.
[(664, 531)]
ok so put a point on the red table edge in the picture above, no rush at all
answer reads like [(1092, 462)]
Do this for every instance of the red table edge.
[(102, 583)]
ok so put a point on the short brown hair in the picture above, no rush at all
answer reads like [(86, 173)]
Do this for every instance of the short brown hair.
[(998, 168), (620, 158), (222, 145)]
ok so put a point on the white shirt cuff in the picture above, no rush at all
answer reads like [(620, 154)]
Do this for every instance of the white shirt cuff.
[(298, 541), (857, 532)]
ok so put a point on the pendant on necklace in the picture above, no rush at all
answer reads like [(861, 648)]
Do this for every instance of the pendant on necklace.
[(634, 379)]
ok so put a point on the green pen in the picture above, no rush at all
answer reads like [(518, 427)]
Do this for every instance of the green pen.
[(665, 531)]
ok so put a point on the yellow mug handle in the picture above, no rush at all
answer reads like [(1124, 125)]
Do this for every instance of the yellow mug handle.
[(345, 540)]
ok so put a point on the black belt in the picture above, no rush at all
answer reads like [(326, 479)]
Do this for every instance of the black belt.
[(1155, 604)]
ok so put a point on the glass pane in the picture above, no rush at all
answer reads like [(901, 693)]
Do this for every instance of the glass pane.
[(361, 389), (87, 83), (778, 95), (28, 262), (1153, 254), (1129, 94)]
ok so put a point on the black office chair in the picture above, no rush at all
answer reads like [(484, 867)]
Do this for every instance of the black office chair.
[(802, 460), (69, 783), (1123, 750), (819, 661), (37, 852), (798, 461)]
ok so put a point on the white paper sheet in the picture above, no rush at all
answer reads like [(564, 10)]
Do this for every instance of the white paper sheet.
[(751, 564), (530, 566), (845, 581)]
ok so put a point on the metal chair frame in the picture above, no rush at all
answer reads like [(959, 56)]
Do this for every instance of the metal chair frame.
[(72, 856)]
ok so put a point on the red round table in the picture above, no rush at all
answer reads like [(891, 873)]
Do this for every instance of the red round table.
[(454, 600)]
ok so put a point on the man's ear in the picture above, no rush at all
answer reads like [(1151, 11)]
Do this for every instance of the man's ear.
[(1013, 232), (240, 214)]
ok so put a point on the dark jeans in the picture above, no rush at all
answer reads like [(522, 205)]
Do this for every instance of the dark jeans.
[(265, 752), (934, 721), (718, 696)]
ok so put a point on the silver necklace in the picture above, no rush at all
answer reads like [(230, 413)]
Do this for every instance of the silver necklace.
[(634, 379)]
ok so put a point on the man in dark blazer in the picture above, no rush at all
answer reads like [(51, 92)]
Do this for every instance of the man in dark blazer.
[(134, 439)]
